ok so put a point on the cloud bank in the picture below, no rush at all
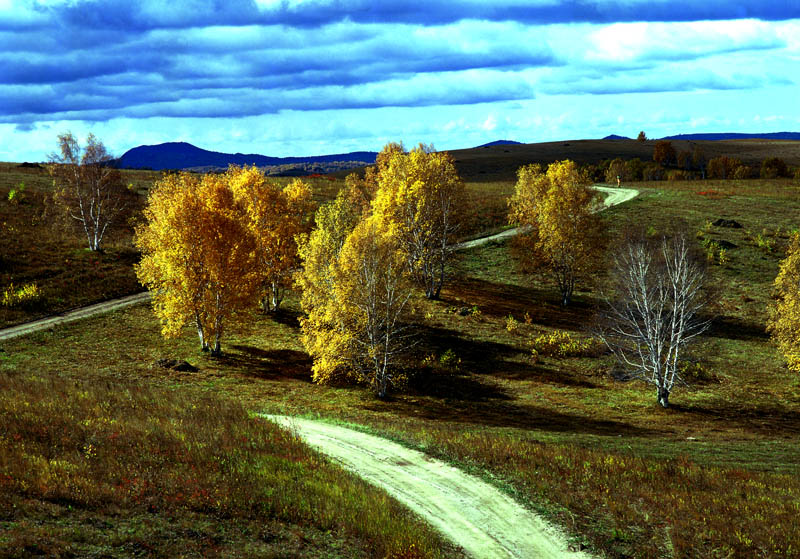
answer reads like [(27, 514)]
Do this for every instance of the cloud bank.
[(93, 62)]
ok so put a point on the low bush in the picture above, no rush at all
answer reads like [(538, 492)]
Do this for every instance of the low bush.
[(560, 343)]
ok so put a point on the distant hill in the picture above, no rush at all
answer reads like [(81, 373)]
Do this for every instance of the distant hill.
[(615, 137), (182, 155), (500, 143), (736, 136), (500, 163)]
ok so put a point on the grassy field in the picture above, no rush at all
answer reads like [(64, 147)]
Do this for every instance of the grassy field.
[(116, 467), (716, 475)]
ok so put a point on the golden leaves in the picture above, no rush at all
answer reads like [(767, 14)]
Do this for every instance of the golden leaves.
[(784, 319)]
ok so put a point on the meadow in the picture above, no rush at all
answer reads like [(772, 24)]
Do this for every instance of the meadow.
[(716, 475)]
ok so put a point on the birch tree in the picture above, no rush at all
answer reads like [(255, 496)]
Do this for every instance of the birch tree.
[(419, 199), (276, 218), (198, 256), (88, 188), (564, 234), (654, 315), (356, 294), (784, 312)]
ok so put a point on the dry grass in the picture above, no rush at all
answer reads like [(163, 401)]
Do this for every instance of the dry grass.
[(714, 476), (120, 468)]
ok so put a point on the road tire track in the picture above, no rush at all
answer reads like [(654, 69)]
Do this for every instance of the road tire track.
[(485, 522)]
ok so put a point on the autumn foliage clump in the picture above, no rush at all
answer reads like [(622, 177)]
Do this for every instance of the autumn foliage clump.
[(784, 320), (557, 207), (213, 244)]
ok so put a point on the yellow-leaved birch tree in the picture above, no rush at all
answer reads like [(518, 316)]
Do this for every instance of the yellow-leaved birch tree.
[(356, 294), (276, 218), (565, 234), (198, 256), (419, 200), (784, 313)]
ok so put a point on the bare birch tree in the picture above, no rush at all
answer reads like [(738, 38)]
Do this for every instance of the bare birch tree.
[(89, 189), (654, 316)]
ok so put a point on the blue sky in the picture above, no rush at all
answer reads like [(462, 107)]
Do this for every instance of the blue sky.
[(291, 77)]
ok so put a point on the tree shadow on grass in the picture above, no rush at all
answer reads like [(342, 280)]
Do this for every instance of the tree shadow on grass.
[(272, 363), (758, 419), (542, 305), (496, 359), (287, 317), (736, 329), (496, 408), (470, 393)]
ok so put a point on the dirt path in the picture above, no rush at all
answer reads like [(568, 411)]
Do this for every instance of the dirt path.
[(77, 314), (485, 522), (615, 196)]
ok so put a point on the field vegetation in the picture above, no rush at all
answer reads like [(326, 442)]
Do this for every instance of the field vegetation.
[(508, 384)]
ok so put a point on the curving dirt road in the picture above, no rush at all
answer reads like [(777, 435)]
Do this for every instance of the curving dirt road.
[(614, 196), (485, 522), (77, 314)]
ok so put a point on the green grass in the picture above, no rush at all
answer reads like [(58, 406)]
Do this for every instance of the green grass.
[(714, 476)]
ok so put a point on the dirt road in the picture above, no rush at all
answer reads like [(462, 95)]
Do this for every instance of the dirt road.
[(77, 314), (485, 522), (614, 196)]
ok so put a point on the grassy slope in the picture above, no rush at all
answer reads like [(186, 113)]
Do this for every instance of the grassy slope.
[(714, 476), (500, 163), (114, 468)]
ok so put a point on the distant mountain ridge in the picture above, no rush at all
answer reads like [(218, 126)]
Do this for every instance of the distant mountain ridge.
[(716, 136), (736, 136), (500, 143), (183, 155)]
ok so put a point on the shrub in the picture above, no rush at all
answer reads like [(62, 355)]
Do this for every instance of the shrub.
[(13, 297), (560, 343), (15, 195), (511, 323), (743, 172), (678, 175), (774, 167)]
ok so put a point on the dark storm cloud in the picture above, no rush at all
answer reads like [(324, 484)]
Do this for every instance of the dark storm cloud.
[(90, 60), (146, 15)]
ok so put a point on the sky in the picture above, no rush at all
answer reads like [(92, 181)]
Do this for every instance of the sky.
[(304, 77)]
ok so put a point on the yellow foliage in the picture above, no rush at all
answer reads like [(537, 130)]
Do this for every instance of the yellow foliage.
[(13, 296), (360, 191), (356, 295), (560, 343), (276, 217), (784, 320), (418, 199), (198, 256), (557, 206)]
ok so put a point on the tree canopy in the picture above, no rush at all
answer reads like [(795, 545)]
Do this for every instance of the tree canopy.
[(419, 200), (564, 234), (198, 256), (276, 217), (784, 319)]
